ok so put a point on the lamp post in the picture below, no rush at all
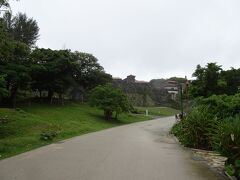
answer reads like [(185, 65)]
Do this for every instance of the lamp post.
[(181, 99)]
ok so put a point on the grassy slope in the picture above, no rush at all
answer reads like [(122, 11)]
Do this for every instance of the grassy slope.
[(158, 111), (23, 130)]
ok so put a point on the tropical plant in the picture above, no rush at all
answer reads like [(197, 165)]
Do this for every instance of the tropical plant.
[(227, 141), (222, 106), (196, 129)]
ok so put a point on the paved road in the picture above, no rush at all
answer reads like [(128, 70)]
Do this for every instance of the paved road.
[(140, 151)]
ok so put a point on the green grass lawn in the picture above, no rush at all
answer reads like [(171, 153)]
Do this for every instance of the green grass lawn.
[(158, 111), (22, 131)]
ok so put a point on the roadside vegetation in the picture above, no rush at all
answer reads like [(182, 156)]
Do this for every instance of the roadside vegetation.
[(29, 127), (45, 94), (214, 120)]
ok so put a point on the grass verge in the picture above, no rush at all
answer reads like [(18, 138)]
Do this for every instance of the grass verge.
[(158, 111)]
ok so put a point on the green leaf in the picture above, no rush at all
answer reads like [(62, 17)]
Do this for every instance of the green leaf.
[(230, 170)]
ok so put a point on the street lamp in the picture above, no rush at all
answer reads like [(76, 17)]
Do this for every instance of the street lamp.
[(181, 99)]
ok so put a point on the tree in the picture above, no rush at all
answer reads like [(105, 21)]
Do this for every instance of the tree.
[(15, 67), (52, 71), (3, 89), (21, 28), (208, 81), (232, 79), (110, 100), (63, 71), (17, 35), (88, 72)]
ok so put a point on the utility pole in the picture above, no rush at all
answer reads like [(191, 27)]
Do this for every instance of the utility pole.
[(181, 99)]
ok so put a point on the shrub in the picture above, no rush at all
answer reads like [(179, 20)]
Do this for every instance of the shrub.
[(196, 129), (227, 141), (6, 127), (222, 106), (110, 100), (50, 133), (4, 119), (214, 124), (48, 136), (134, 110)]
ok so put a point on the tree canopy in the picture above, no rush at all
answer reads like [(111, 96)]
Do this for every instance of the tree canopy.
[(21, 28), (27, 69), (110, 100), (212, 79)]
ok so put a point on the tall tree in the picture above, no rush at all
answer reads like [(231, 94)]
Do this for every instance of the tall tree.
[(3, 89), (208, 81), (52, 71), (58, 71), (232, 78), (15, 67), (21, 28), (88, 72)]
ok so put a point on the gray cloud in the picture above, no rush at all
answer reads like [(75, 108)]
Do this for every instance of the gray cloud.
[(147, 38)]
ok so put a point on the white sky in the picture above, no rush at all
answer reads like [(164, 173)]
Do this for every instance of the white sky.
[(147, 38)]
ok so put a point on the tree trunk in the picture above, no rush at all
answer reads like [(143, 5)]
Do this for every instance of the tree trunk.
[(13, 96), (108, 115), (61, 98), (116, 116), (40, 94), (50, 96), (82, 98)]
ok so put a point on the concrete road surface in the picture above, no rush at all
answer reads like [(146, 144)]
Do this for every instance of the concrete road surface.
[(140, 151)]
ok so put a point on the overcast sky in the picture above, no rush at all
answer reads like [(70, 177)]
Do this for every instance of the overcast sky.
[(147, 38)]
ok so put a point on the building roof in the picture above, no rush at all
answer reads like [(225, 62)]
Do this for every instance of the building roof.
[(172, 82)]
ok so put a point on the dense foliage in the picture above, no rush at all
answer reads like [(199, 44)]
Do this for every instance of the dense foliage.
[(194, 131), (227, 141), (27, 71), (214, 124), (214, 121), (21, 28), (221, 106), (212, 79)]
